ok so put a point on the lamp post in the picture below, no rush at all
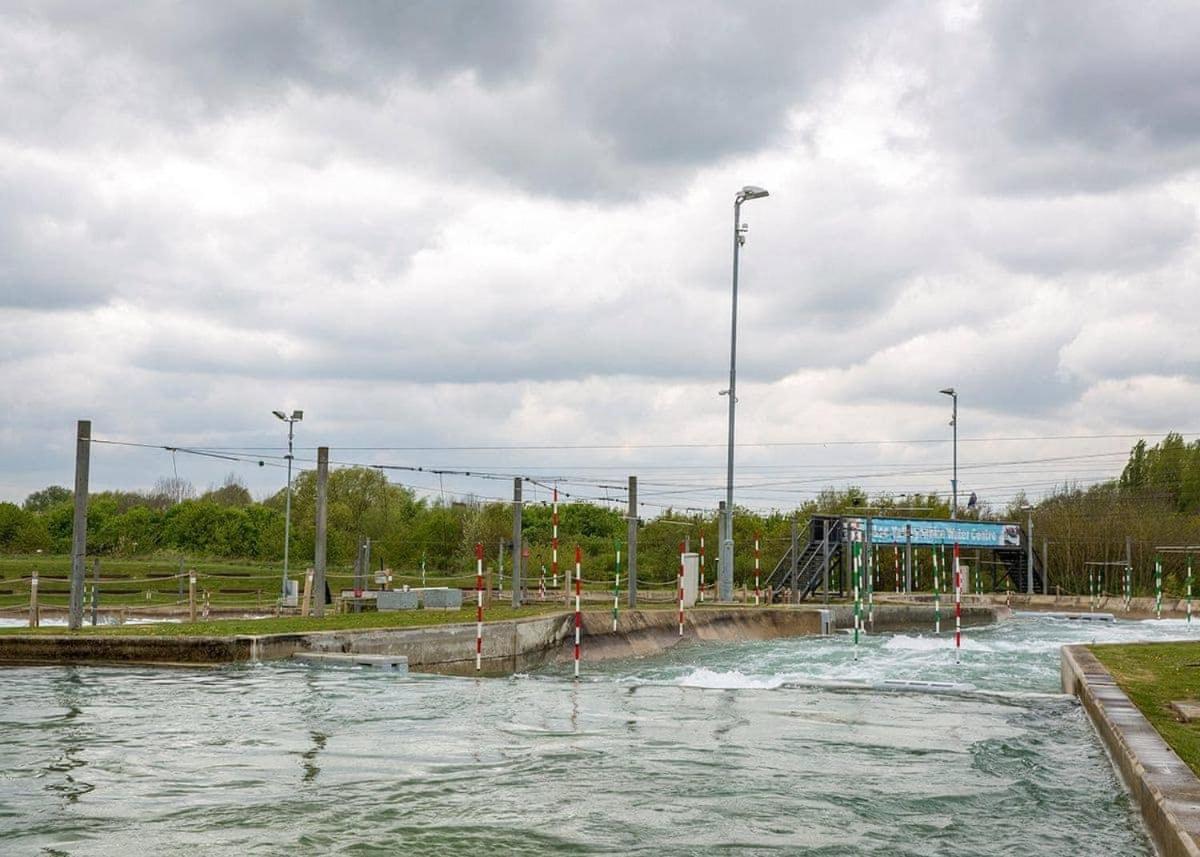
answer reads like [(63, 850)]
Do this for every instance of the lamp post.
[(296, 417), (725, 579), (949, 391)]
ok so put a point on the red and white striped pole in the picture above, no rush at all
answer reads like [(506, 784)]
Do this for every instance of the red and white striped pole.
[(554, 543), (578, 615), (702, 568), (478, 607), (957, 605), (679, 587), (757, 591)]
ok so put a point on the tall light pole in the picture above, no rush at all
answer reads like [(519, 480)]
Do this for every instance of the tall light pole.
[(949, 391), (296, 417), (725, 580)]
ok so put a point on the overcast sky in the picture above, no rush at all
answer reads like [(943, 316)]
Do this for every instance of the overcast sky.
[(438, 224)]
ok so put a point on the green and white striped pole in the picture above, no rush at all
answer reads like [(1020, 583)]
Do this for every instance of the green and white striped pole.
[(616, 585), (1128, 586), (1158, 586), (871, 566), (1091, 589), (856, 573), (1189, 589)]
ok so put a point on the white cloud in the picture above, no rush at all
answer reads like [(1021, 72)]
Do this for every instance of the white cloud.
[(434, 239)]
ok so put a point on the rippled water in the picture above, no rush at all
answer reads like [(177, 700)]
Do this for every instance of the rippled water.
[(711, 749)]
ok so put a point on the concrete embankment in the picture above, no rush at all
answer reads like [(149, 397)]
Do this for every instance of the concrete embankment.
[(1139, 608), (508, 646), (1163, 787)]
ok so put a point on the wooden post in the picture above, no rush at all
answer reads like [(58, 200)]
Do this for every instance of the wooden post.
[(83, 448), (518, 579), (631, 535), (319, 549), (34, 619), (192, 595), (304, 601)]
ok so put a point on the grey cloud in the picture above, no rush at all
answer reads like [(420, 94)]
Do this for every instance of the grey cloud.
[(579, 101), (1070, 97)]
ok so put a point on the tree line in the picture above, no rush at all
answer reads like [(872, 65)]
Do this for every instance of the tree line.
[(1155, 501)]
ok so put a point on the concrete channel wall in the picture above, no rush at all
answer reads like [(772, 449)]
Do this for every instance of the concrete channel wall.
[(1164, 788), (508, 646)]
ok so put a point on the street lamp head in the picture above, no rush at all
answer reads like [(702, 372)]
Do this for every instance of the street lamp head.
[(281, 415), (949, 391), (297, 415), (752, 192)]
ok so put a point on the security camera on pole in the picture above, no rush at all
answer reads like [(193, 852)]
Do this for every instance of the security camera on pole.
[(725, 569)]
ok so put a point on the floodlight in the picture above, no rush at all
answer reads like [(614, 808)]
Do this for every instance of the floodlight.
[(752, 192), (281, 415)]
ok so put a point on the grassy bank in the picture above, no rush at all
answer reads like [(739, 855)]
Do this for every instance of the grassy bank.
[(1153, 675), (297, 624), (155, 582)]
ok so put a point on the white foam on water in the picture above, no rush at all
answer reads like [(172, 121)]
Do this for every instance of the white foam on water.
[(704, 677), (62, 623), (905, 643)]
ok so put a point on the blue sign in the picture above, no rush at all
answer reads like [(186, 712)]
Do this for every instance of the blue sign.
[(895, 531)]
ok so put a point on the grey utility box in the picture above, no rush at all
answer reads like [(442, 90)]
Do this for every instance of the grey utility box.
[(396, 600), (442, 598)]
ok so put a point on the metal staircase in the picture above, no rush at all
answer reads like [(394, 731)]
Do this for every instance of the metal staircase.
[(1016, 563), (809, 564)]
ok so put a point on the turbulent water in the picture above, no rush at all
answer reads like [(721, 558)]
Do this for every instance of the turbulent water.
[(712, 749)]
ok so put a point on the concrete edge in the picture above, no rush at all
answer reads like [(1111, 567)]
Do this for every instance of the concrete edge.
[(1165, 789), (509, 646)]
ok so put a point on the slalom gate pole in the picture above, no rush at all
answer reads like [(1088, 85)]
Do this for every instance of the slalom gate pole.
[(422, 571), (617, 586), (856, 574), (1158, 586), (554, 543), (937, 593), (478, 606), (702, 568), (1091, 589), (1007, 592), (1189, 589), (871, 555), (958, 605), (896, 557), (1128, 586), (679, 588), (578, 615), (542, 584), (757, 556)]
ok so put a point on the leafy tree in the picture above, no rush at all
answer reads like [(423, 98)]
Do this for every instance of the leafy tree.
[(40, 501)]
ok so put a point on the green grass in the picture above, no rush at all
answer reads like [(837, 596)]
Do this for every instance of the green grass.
[(152, 582), (294, 624), (1153, 675)]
